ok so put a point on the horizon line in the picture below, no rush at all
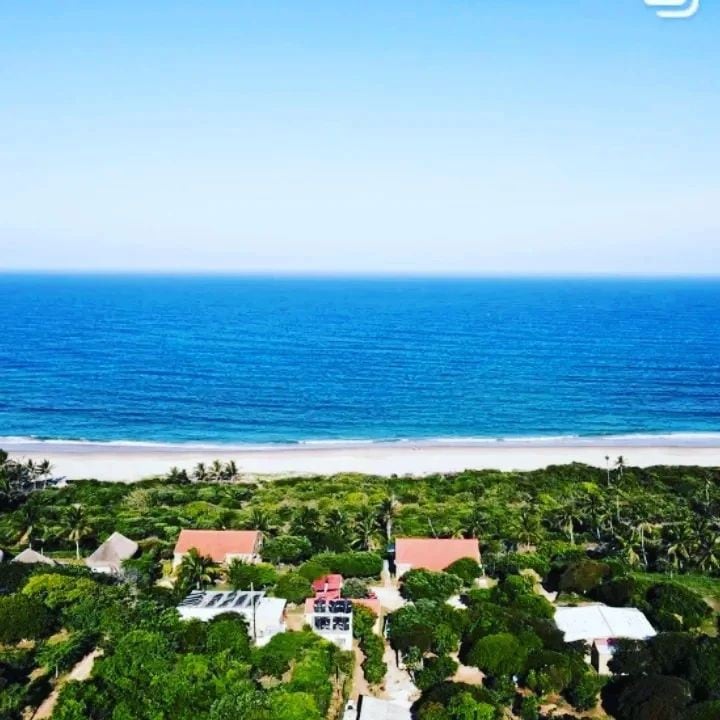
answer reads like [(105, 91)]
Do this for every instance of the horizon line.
[(350, 274)]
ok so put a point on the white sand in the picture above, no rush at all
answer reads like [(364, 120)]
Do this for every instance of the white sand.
[(133, 462)]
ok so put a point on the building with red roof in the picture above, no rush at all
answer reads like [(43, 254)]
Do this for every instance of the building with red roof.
[(432, 553), (222, 546), (328, 586)]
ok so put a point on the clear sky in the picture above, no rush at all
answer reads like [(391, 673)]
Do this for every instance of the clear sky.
[(459, 136)]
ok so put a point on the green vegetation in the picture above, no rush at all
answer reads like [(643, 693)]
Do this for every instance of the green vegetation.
[(648, 538)]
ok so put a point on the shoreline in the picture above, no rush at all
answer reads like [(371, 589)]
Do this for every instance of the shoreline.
[(131, 462)]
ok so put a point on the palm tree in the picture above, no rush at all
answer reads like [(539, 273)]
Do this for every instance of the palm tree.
[(607, 468), (231, 471), (175, 475), (44, 470), (590, 509), (642, 530), (25, 519), (76, 525), (620, 466), (365, 526), (200, 473), (680, 547), (567, 520), (216, 471), (260, 520), (196, 570), (336, 530), (306, 522), (528, 526), (388, 511)]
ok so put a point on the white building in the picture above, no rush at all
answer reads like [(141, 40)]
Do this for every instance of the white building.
[(265, 616), (109, 557), (331, 619), (598, 625), (372, 708)]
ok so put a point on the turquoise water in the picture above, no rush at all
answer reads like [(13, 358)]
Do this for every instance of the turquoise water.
[(256, 360)]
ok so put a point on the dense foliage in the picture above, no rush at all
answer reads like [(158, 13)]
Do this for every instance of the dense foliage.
[(625, 536)]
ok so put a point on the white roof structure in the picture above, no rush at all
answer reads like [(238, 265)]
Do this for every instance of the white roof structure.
[(32, 557), (372, 708), (595, 622), (111, 554), (265, 616)]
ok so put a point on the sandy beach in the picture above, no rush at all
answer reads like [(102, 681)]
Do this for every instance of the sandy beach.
[(132, 462)]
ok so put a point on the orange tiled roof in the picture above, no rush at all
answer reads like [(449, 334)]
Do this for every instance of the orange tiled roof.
[(434, 553), (216, 544), (330, 583)]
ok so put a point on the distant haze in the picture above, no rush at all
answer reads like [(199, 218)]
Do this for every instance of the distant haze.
[(472, 137)]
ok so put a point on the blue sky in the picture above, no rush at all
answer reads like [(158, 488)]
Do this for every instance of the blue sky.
[(492, 136)]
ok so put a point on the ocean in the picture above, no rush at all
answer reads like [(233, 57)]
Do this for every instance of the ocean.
[(193, 359)]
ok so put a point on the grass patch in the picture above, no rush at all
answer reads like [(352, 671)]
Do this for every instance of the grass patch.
[(707, 587)]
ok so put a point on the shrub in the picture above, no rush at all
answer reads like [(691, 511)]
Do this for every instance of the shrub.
[(429, 585), (374, 667), (313, 569), (274, 658), (467, 569), (435, 670), (355, 588), (56, 591), (230, 632), (363, 621), (22, 618), (673, 599), (584, 691), (289, 549), (583, 576), (293, 587), (655, 697), (501, 654), (242, 575), (352, 564), (703, 711)]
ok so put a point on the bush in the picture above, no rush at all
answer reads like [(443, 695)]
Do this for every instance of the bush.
[(703, 711), (61, 656), (274, 658), (242, 575), (435, 670), (674, 599), (467, 569), (655, 697), (352, 564), (22, 618), (230, 632), (286, 549), (293, 587), (583, 693), (355, 588), (57, 591), (313, 569), (429, 585), (501, 654), (363, 621), (374, 667), (583, 576)]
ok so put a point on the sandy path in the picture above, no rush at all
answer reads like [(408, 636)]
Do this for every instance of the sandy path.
[(80, 672)]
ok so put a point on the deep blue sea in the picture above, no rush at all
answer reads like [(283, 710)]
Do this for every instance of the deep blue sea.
[(237, 359)]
